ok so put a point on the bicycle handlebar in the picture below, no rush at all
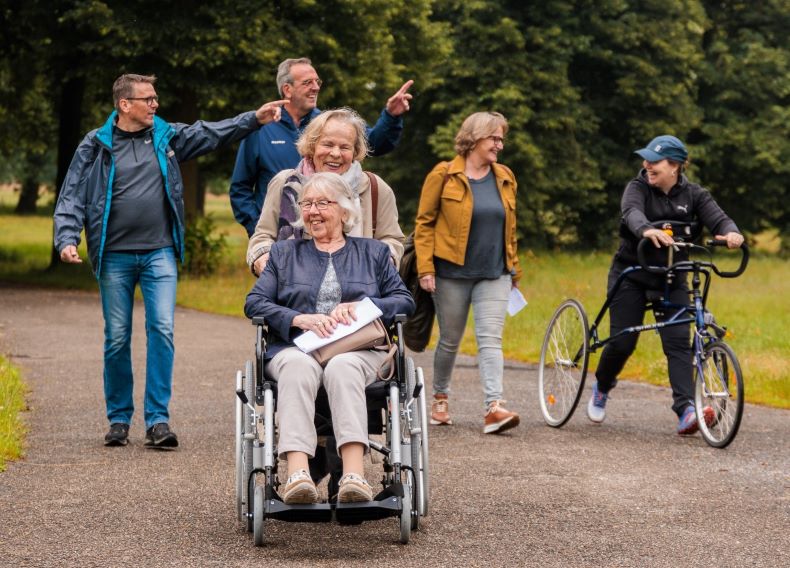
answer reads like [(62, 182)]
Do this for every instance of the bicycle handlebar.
[(744, 258), (640, 254)]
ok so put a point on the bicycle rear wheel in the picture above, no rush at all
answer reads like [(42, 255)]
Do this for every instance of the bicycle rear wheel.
[(563, 363), (718, 394)]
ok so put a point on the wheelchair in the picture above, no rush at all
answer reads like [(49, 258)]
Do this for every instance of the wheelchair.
[(396, 408)]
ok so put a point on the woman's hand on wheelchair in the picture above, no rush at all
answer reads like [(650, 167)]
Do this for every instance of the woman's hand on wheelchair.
[(345, 313), (734, 240), (659, 237), (320, 324)]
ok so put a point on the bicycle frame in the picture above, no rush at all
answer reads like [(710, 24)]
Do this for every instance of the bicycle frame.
[(694, 312)]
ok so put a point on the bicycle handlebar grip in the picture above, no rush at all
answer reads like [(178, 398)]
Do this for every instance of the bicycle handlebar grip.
[(744, 258), (640, 255)]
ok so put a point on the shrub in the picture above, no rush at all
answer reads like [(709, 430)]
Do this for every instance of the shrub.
[(203, 249)]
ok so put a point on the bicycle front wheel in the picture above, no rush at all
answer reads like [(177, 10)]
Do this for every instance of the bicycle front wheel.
[(563, 363), (718, 394)]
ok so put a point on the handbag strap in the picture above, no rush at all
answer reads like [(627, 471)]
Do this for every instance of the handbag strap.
[(374, 199), (389, 359)]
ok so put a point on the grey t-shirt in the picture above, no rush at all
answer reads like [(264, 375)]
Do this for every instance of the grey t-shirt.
[(139, 211), (485, 250)]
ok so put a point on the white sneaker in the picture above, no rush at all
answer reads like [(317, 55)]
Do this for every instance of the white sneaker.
[(300, 489), (596, 408)]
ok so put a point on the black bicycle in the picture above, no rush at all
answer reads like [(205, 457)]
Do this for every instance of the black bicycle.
[(569, 340)]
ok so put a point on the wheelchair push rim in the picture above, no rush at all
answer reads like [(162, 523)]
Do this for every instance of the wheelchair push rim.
[(564, 357)]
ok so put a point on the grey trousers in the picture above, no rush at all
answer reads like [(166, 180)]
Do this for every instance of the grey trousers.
[(488, 298), (345, 377)]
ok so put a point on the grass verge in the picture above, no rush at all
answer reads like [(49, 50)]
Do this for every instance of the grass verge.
[(12, 403)]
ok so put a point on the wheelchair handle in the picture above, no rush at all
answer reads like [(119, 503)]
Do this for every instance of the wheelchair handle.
[(744, 258)]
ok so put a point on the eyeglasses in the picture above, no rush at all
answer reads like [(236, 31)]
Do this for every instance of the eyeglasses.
[(320, 205), (496, 140), (148, 100), (307, 82)]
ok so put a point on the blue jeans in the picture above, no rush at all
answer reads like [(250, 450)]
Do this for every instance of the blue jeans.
[(157, 273), (488, 299)]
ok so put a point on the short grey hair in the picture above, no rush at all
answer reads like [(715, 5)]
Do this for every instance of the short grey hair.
[(123, 88), (337, 189), (284, 71), (305, 145)]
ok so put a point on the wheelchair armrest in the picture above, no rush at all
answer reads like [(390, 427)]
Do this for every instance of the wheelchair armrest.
[(401, 318), (258, 320)]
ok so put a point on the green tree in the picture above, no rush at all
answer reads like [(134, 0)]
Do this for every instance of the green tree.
[(745, 139)]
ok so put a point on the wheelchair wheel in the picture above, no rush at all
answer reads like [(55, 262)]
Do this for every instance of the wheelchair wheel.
[(239, 440), (718, 394), (563, 363), (423, 495), (405, 514), (249, 431), (257, 525)]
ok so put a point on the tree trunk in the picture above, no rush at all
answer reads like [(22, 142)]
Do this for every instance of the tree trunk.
[(194, 199), (69, 133), (29, 193)]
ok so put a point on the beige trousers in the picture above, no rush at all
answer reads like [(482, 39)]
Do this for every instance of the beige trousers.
[(299, 377)]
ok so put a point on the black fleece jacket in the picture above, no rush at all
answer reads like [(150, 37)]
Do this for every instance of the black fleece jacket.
[(643, 204)]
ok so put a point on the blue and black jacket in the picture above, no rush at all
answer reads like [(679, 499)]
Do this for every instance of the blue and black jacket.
[(86, 195)]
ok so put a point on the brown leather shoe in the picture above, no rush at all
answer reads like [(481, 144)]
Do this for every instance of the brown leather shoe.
[(498, 419), (440, 410)]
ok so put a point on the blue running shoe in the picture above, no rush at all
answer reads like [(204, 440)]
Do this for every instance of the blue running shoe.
[(596, 408), (688, 422)]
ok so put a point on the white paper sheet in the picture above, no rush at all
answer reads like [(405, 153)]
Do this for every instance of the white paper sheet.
[(366, 313), (515, 302)]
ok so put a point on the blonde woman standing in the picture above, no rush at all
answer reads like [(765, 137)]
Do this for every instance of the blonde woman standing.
[(467, 256)]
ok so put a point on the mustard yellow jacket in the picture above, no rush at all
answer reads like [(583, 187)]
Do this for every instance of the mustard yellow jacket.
[(444, 216)]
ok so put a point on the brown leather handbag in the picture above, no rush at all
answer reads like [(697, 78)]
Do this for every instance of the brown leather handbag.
[(372, 336)]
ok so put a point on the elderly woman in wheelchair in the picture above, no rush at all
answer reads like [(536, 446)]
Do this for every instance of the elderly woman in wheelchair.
[(315, 285)]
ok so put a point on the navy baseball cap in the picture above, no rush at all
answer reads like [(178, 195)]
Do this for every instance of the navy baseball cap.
[(664, 148)]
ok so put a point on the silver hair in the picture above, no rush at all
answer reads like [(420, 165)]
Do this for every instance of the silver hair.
[(284, 72), (337, 189)]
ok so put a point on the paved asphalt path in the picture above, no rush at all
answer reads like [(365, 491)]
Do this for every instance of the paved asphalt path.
[(627, 493)]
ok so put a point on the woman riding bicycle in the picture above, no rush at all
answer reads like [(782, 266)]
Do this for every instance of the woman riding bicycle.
[(660, 192)]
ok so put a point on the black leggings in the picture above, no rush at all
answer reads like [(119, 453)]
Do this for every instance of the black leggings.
[(628, 309)]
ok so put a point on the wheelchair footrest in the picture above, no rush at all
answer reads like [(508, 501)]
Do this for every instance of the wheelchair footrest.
[(343, 513), (316, 513), (355, 513)]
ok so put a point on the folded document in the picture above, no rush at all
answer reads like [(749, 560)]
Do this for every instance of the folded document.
[(366, 313)]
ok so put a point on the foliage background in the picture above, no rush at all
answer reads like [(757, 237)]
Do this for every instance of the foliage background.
[(583, 83)]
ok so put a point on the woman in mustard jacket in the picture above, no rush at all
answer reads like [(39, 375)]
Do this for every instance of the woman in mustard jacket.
[(467, 255)]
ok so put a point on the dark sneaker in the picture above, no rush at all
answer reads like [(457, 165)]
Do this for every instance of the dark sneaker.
[(118, 435), (160, 436)]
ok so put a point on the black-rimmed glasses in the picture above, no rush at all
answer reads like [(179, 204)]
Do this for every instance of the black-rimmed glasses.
[(148, 100)]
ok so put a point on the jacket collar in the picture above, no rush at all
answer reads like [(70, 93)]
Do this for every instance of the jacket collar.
[(288, 121), (458, 164), (162, 131)]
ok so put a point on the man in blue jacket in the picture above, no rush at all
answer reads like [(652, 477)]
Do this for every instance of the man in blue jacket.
[(124, 188), (272, 149)]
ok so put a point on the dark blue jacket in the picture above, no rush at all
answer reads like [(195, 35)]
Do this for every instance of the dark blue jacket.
[(273, 149), (290, 282), (86, 194)]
